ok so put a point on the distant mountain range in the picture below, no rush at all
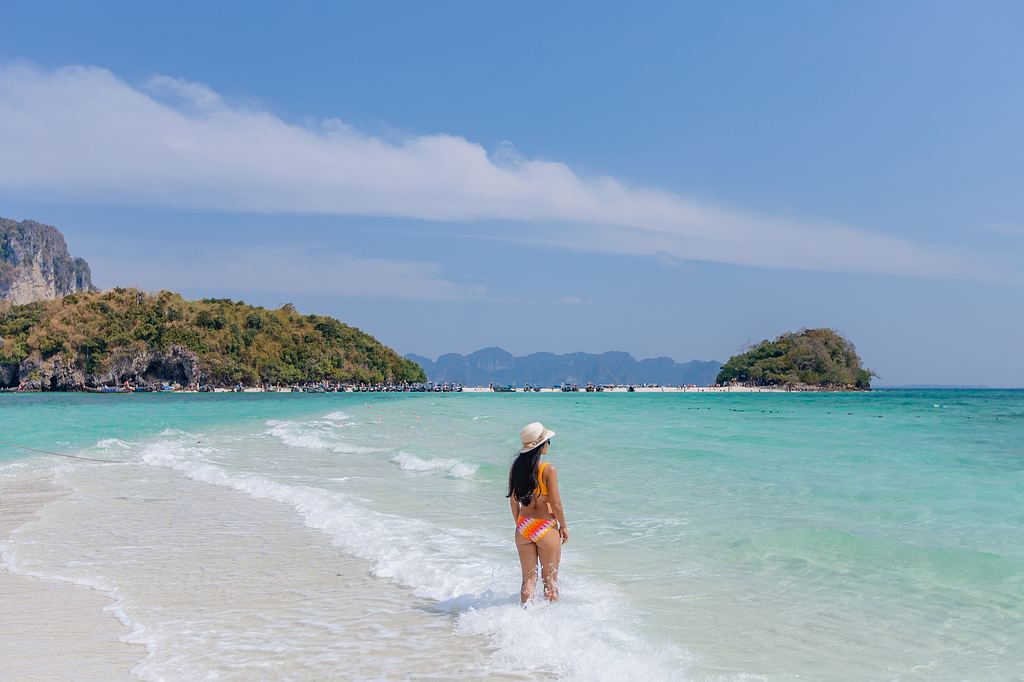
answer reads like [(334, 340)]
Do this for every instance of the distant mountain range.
[(935, 387), (498, 366)]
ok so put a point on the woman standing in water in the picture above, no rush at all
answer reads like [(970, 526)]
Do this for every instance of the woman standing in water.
[(537, 506)]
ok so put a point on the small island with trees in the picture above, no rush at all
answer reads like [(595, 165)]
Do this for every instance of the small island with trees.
[(810, 359)]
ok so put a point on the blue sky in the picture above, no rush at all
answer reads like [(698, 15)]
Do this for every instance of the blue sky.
[(657, 178)]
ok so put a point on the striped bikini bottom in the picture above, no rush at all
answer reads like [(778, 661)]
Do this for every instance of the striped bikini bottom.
[(534, 529)]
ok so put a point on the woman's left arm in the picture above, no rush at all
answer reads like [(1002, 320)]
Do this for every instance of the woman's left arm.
[(555, 500), (514, 503)]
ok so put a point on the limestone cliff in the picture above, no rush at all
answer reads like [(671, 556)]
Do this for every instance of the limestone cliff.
[(35, 264)]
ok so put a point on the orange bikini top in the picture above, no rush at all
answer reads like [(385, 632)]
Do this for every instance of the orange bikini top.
[(541, 489)]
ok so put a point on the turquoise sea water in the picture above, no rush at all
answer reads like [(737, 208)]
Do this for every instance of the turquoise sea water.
[(714, 536)]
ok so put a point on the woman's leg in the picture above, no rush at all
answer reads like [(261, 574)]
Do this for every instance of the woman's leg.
[(528, 562), (550, 550)]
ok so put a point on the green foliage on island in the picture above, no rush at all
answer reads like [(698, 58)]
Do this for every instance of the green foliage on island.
[(229, 342), (818, 358)]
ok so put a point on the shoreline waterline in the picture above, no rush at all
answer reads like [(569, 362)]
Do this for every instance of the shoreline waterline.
[(476, 389)]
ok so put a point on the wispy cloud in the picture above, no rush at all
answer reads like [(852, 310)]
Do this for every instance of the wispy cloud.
[(83, 133), (295, 271)]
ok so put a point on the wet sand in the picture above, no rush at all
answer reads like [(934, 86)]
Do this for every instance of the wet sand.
[(54, 630)]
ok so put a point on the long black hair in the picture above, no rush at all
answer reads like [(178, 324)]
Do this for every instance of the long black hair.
[(522, 477)]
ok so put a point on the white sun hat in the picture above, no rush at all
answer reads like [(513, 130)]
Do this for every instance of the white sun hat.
[(533, 434)]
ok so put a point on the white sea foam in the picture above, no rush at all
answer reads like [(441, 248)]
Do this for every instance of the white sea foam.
[(455, 468), (582, 640), (337, 416), (470, 576), (314, 436), (392, 543), (16, 464), (166, 433), (110, 443)]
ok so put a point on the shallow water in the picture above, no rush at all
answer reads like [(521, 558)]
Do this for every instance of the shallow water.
[(775, 536)]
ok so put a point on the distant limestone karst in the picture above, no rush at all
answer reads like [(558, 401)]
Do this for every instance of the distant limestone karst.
[(498, 366), (35, 264)]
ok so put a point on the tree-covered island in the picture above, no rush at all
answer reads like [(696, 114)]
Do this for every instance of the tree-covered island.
[(810, 358), (91, 339)]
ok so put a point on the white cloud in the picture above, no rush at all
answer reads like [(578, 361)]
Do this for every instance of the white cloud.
[(187, 93), (82, 133)]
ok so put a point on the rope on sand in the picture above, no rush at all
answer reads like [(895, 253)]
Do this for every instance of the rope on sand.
[(59, 454)]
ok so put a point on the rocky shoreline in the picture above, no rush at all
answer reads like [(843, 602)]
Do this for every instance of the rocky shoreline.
[(149, 368)]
